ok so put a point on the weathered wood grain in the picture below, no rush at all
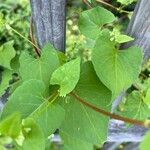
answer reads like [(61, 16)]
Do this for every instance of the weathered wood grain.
[(49, 20), (139, 27)]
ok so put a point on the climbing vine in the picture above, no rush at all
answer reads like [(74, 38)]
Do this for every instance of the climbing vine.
[(49, 92)]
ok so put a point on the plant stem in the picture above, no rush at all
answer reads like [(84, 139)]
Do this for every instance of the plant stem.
[(108, 114), (37, 50), (11, 28), (87, 3), (107, 4), (111, 6)]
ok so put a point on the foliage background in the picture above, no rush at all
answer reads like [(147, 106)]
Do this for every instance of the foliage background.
[(17, 14)]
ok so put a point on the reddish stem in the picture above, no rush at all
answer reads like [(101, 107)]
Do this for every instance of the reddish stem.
[(87, 3), (37, 50), (108, 114)]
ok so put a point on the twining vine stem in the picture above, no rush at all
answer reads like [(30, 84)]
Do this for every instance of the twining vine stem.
[(37, 50), (8, 27), (107, 4), (87, 3), (111, 6), (108, 114)]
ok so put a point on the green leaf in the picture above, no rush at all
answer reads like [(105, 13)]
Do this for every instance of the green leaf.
[(123, 38), (49, 117), (70, 143), (28, 100), (2, 21), (2, 147), (67, 76), (91, 21), (126, 2), (4, 84), (115, 68), (145, 143), (147, 97), (34, 138), (15, 65), (11, 126), (14, 86), (25, 99), (40, 68), (7, 53), (90, 1), (135, 108), (5, 140), (81, 122), (118, 37)]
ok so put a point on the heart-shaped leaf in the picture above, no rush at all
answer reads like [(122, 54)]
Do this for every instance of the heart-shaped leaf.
[(67, 76), (28, 99), (25, 99), (11, 126), (117, 69), (70, 143), (145, 143), (40, 68), (134, 107), (4, 83), (7, 53), (147, 97), (91, 21), (34, 137)]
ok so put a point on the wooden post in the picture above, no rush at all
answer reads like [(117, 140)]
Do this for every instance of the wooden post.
[(49, 20), (139, 27)]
